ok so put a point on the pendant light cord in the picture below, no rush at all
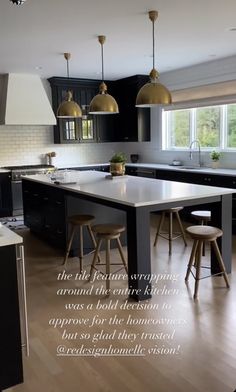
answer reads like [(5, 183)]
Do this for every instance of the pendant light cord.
[(102, 63), (67, 67), (153, 44)]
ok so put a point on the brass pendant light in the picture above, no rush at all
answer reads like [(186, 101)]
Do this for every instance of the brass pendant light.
[(69, 108), (153, 93), (103, 103)]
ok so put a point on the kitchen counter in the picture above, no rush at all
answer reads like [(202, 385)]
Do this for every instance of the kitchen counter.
[(8, 237), (4, 171), (209, 170), (132, 191)]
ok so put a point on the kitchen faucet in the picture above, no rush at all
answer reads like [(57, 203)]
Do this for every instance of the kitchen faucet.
[(199, 151)]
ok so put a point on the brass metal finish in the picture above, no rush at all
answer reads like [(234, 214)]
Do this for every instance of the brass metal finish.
[(154, 74), (153, 93), (102, 39), (103, 88), (103, 103), (153, 15), (69, 108), (67, 56)]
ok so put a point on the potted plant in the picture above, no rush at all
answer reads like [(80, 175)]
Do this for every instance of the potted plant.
[(215, 156), (117, 164)]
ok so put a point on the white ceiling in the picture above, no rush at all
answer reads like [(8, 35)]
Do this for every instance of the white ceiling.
[(188, 32)]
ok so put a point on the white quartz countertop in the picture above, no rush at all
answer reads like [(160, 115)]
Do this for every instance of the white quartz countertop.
[(8, 237), (4, 171), (130, 190)]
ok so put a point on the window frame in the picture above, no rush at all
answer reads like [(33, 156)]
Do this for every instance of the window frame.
[(223, 137)]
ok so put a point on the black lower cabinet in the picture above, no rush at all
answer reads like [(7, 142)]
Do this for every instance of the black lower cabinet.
[(44, 212), (11, 370), (5, 195)]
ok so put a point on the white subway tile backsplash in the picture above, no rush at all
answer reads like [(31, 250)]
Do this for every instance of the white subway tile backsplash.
[(21, 146)]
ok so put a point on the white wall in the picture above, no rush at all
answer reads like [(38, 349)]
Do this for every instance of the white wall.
[(28, 145)]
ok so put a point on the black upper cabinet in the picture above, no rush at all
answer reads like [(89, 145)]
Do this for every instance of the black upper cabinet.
[(89, 128), (131, 124)]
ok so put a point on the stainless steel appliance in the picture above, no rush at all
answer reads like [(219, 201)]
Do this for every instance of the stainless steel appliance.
[(16, 182)]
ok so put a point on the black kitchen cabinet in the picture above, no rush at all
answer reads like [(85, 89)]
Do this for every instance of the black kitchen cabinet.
[(104, 168), (133, 124), (140, 172), (11, 370), (44, 212), (89, 128), (5, 194)]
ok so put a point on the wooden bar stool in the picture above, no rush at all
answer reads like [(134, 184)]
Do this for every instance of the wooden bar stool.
[(108, 232), (172, 212), (200, 234), (203, 217), (79, 222)]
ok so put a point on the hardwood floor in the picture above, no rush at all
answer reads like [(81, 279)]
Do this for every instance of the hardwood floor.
[(201, 335)]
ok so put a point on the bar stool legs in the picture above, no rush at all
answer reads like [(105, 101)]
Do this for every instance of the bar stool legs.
[(79, 221), (200, 234), (108, 232), (170, 236)]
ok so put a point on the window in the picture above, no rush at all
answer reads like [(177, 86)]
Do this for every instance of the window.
[(214, 126)]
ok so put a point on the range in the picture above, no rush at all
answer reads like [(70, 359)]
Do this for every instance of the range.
[(16, 182)]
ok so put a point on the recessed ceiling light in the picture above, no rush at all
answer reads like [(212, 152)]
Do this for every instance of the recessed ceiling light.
[(38, 67)]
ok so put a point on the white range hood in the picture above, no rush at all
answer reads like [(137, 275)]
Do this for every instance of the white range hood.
[(23, 101)]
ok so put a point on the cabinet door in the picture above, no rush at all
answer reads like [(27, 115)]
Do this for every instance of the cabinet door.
[(133, 123), (69, 128), (5, 195), (11, 370)]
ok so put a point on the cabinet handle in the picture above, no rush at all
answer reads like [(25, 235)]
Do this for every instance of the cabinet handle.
[(35, 194), (23, 308), (58, 202), (45, 198), (145, 171)]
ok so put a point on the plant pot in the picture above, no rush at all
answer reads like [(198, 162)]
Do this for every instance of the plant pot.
[(117, 168), (215, 164)]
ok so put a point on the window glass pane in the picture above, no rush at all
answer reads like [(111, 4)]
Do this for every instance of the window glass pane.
[(179, 128), (231, 125), (87, 129), (208, 126)]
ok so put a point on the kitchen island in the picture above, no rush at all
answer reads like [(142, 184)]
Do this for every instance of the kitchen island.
[(138, 197)]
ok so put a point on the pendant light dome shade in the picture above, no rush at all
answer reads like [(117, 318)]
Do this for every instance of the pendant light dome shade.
[(153, 93), (68, 108), (103, 103)]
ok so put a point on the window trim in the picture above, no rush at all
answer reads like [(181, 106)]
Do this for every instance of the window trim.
[(223, 137)]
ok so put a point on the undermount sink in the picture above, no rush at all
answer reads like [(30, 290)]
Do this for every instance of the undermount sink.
[(192, 167)]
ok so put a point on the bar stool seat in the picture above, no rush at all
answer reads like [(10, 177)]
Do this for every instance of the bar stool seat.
[(169, 236), (200, 234), (107, 232), (202, 216), (79, 222)]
